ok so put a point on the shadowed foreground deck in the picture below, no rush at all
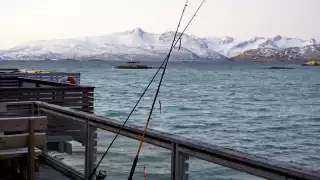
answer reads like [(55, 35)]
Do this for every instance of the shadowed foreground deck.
[(46, 173)]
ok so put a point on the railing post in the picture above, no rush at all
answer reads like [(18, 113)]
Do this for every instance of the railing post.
[(179, 166), (184, 165), (32, 109), (90, 143), (173, 161)]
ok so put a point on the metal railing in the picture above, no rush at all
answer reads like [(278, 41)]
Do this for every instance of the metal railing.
[(181, 148)]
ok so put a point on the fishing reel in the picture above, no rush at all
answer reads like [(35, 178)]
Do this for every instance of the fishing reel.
[(101, 175)]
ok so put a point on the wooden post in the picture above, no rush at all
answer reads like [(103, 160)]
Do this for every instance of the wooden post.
[(31, 164), (179, 167), (173, 161), (32, 109), (184, 166), (89, 150)]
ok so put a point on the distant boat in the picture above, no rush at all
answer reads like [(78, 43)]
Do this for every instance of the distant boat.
[(133, 62), (277, 67), (133, 65)]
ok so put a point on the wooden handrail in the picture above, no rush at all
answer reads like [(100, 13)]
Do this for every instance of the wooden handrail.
[(181, 147), (252, 164)]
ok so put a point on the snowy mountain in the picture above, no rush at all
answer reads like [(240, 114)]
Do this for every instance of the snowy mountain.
[(293, 53), (230, 47), (138, 44)]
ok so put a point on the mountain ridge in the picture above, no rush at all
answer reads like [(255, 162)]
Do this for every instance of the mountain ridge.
[(139, 43), (269, 54)]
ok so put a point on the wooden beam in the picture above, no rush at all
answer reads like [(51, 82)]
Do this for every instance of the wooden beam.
[(31, 153), (258, 166), (22, 123)]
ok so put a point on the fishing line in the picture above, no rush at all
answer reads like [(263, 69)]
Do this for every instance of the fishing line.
[(159, 85), (118, 132)]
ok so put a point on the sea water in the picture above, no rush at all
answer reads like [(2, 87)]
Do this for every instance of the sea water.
[(274, 113)]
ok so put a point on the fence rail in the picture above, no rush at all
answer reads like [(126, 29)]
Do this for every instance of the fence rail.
[(181, 148)]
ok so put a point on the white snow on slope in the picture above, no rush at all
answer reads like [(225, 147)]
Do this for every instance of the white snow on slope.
[(231, 47), (139, 42)]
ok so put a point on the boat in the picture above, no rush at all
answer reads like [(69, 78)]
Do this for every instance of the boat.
[(278, 67), (133, 65)]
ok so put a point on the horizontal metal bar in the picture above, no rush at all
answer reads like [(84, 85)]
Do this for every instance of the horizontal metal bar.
[(247, 163), (31, 118), (110, 128), (234, 165), (244, 162)]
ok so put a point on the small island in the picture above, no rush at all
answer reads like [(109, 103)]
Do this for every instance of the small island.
[(133, 65), (312, 63)]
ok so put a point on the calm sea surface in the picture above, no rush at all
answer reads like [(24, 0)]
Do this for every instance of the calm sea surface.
[(272, 113)]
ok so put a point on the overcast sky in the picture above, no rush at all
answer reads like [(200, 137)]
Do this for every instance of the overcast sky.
[(26, 20)]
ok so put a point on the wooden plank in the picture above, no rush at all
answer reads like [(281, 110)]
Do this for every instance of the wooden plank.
[(46, 82), (40, 90), (15, 153), (9, 84), (43, 82), (43, 95), (75, 104), (31, 154), (9, 80), (65, 100), (16, 113), (46, 89), (22, 124), (9, 69), (18, 107), (20, 140), (4, 84), (7, 76)]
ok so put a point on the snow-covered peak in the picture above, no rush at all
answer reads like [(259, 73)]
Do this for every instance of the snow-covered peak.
[(137, 41), (312, 41), (136, 32), (277, 38), (227, 39)]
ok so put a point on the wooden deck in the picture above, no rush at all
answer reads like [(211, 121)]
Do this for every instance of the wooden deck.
[(14, 89), (46, 173)]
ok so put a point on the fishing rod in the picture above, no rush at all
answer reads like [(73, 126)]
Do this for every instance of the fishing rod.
[(138, 101), (124, 123), (159, 85)]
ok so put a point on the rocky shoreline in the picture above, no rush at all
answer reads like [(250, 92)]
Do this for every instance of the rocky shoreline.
[(312, 63)]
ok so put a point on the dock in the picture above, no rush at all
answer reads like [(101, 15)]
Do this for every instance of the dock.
[(68, 110)]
